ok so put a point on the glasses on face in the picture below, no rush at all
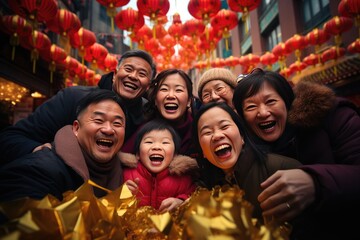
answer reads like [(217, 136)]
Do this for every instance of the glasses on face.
[(220, 90)]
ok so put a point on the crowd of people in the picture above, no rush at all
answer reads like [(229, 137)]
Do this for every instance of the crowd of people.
[(294, 151)]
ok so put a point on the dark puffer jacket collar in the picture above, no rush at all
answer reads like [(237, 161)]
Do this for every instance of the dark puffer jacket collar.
[(312, 103)]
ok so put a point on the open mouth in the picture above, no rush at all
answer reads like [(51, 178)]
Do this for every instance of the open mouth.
[(104, 142), (267, 125), (156, 158), (171, 106), (130, 85), (223, 150)]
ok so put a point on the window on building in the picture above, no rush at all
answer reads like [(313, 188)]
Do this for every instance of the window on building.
[(273, 37), (266, 4), (315, 12)]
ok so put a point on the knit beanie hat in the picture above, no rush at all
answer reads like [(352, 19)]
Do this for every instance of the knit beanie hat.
[(222, 74)]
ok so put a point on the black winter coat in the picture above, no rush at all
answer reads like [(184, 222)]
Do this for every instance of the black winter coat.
[(41, 126)]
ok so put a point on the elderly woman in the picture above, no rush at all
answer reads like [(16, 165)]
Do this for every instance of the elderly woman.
[(217, 85), (229, 155), (319, 129)]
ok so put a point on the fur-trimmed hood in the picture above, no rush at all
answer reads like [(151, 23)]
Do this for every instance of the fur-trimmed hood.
[(180, 165), (312, 103)]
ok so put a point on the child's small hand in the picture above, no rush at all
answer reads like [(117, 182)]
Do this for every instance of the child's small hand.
[(133, 185), (169, 204)]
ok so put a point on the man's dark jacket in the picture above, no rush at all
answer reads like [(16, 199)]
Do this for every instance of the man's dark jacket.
[(40, 127)]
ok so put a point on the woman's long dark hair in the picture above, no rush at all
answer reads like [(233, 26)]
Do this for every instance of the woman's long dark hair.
[(150, 110), (207, 167)]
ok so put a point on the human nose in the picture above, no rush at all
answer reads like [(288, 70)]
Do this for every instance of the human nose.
[(155, 146), (107, 128), (214, 95), (263, 111), (171, 94), (133, 74), (217, 135)]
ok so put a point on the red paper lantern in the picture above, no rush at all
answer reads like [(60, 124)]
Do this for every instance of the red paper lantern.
[(167, 41), (286, 72), (152, 46), (153, 9), (332, 53), (36, 42), (69, 64), (232, 61), (281, 51), (317, 37), (81, 40), (336, 26), (218, 62), (225, 20), (175, 28), (34, 10), (109, 64), (212, 37), (243, 6), (354, 47), (268, 59), (95, 53), (17, 27), (129, 20), (176, 61), (193, 28), (204, 9), (249, 61), (297, 67), (176, 18), (142, 35), (64, 23), (55, 55), (111, 6), (312, 59), (296, 43), (159, 31), (350, 8)]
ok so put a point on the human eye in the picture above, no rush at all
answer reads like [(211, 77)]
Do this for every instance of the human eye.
[(205, 132), (220, 89), (118, 124), (98, 120), (143, 74), (271, 101), (128, 68), (179, 90), (249, 107), (206, 96), (225, 126), (163, 88)]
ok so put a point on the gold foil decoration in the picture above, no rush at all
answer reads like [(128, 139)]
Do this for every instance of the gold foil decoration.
[(220, 213)]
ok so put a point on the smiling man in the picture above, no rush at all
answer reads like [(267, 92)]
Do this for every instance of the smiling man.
[(131, 80), (87, 150)]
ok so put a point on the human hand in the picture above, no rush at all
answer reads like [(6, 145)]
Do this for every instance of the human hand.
[(48, 145), (133, 185), (286, 194), (170, 204)]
